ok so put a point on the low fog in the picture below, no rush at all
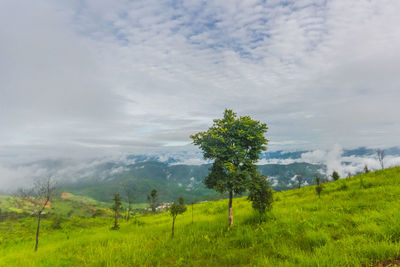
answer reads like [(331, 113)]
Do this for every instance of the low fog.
[(15, 175)]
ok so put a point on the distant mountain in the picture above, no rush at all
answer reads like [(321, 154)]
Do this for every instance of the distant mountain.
[(363, 151), (357, 152), (182, 173), (282, 154), (172, 181)]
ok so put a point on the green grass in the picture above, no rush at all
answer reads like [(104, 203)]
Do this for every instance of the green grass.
[(353, 224)]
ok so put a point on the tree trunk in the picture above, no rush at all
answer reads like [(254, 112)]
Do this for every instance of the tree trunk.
[(37, 232), (173, 226), (116, 221), (230, 209), (129, 213)]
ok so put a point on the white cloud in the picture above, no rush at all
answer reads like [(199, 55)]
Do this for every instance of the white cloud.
[(95, 77), (335, 161)]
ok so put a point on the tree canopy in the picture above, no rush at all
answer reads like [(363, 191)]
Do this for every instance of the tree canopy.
[(153, 200), (175, 209), (335, 175), (234, 144), (260, 193)]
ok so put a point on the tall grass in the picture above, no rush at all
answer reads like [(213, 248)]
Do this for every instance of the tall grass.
[(350, 225)]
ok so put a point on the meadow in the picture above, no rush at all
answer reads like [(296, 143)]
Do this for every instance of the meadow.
[(356, 222)]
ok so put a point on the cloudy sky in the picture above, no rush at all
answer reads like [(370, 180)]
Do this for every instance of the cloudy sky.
[(83, 77)]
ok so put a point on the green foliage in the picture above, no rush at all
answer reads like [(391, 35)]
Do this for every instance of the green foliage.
[(344, 228), (299, 179), (343, 186), (56, 222), (260, 193), (178, 207), (116, 208), (335, 175), (153, 200), (364, 184), (98, 213), (234, 143), (175, 209)]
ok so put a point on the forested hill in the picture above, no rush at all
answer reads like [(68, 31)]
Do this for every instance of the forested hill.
[(174, 180)]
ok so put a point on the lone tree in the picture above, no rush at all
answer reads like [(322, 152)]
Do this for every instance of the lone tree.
[(153, 200), (234, 143), (318, 188), (381, 155), (261, 194), (38, 197), (192, 211), (366, 170), (129, 190), (299, 179), (116, 207), (335, 175), (175, 209)]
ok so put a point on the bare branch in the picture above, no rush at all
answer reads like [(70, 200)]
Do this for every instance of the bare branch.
[(381, 155), (38, 196)]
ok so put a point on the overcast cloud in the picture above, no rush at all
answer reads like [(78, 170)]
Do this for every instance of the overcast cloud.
[(97, 77)]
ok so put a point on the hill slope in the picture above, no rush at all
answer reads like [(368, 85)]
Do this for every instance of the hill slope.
[(356, 222), (174, 180)]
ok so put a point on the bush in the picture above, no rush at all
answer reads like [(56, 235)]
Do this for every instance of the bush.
[(98, 213), (343, 186), (258, 218), (261, 195), (335, 176), (56, 222)]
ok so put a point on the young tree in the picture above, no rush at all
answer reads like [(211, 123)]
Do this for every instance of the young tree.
[(366, 170), (335, 175), (129, 198), (234, 143), (318, 188), (153, 200), (116, 208), (192, 211), (381, 155), (175, 209), (299, 179), (260, 193), (38, 197)]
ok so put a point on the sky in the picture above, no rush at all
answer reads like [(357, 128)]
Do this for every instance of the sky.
[(96, 77)]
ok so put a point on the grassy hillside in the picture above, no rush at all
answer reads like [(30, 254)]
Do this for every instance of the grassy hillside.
[(356, 222), (68, 205)]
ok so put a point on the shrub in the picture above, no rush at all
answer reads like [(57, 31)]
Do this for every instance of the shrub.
[(335, 176), (56, 223), (261, 195)]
